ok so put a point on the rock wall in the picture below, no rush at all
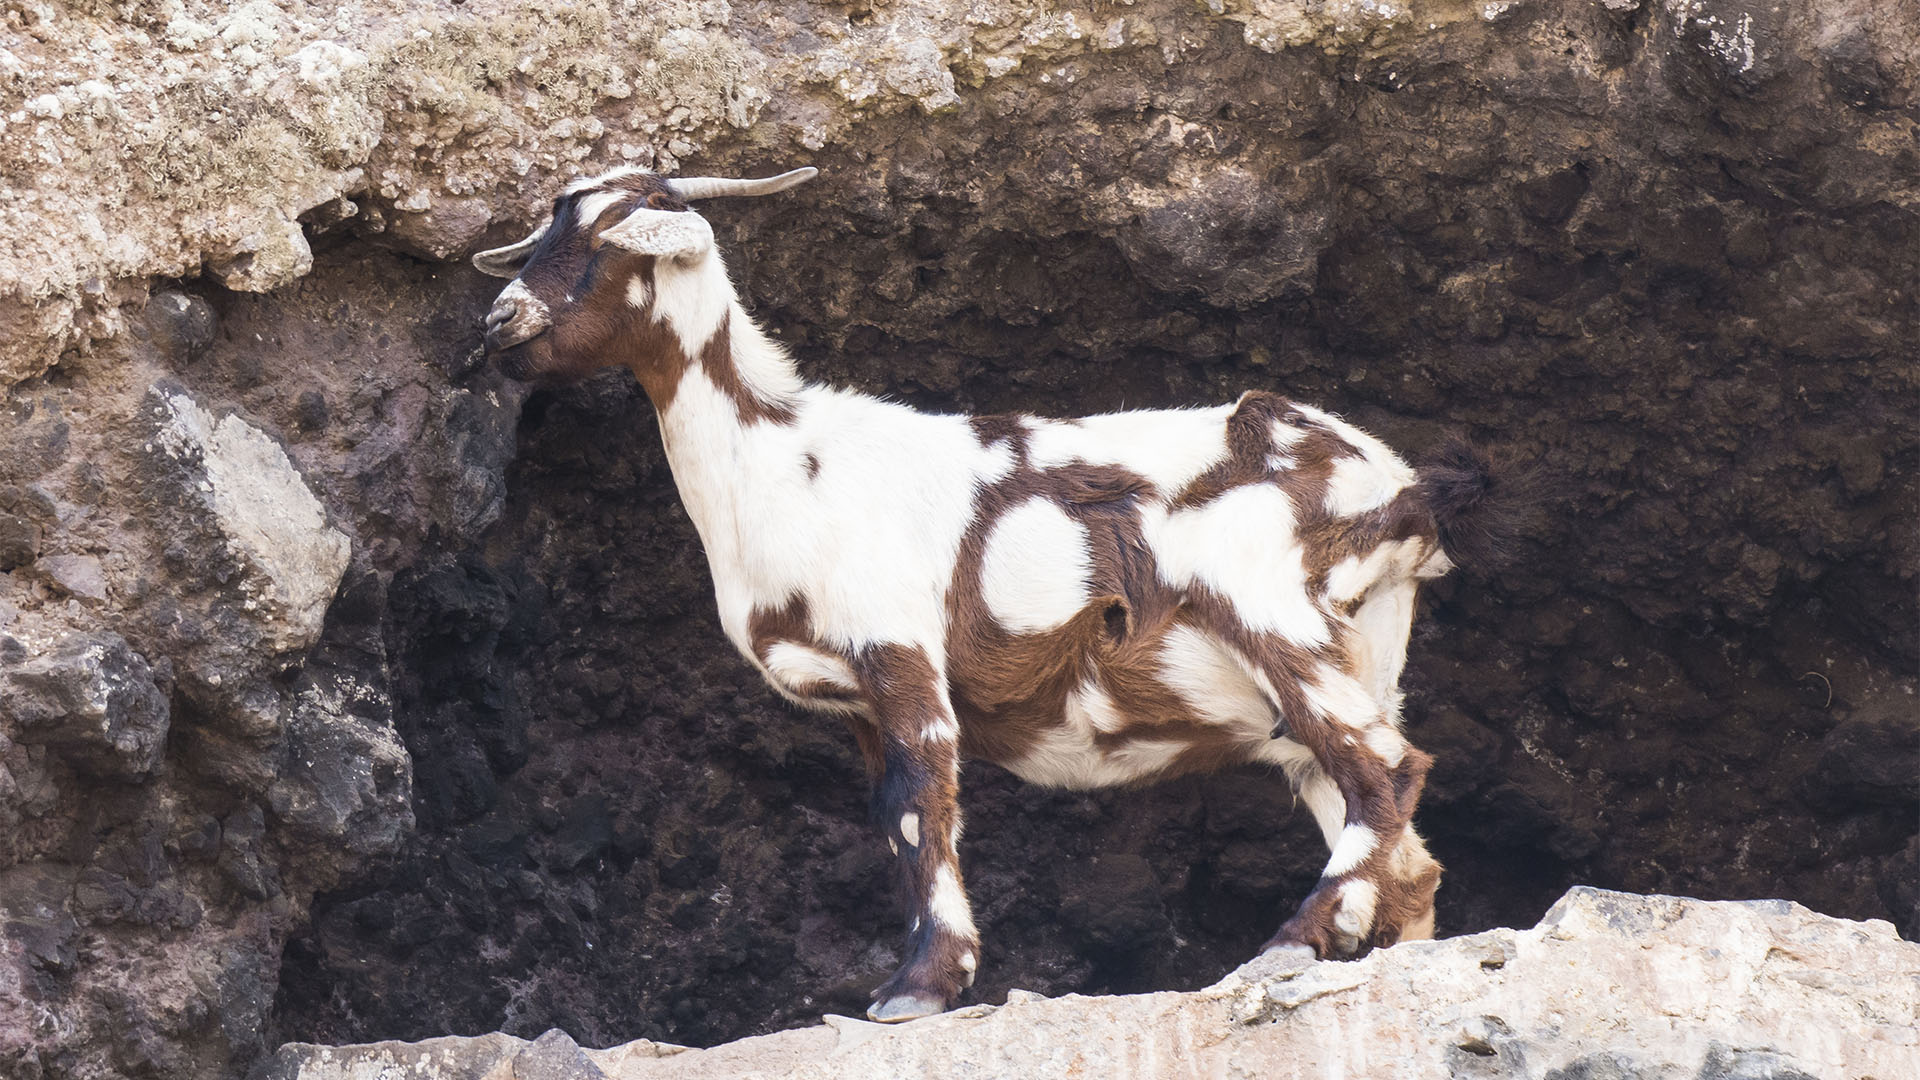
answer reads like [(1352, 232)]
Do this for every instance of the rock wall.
[(347, 692)]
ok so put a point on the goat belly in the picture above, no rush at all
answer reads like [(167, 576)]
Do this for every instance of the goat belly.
[(1166, 702)]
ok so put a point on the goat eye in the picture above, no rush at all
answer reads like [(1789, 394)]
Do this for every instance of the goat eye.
[(660, 201)]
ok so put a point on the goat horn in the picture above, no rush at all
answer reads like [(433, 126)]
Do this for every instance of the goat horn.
[(690, 188)]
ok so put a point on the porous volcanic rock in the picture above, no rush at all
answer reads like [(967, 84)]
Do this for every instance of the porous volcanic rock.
[(1607, 985), (355, 693)]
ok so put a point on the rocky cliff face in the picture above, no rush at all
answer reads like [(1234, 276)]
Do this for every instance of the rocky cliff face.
[(347, 692)]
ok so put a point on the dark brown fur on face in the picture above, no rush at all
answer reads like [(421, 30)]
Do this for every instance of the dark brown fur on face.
[(583, 282), (588, 285)]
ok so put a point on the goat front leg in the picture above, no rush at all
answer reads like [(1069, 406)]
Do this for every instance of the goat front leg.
[(916, 805), (1399, 886), (1362, 780)]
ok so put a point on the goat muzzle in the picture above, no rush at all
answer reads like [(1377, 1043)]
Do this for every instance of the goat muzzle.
[(501, 315), (517, 316)]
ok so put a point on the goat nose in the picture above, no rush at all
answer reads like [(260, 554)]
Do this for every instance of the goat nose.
[(502, 314)]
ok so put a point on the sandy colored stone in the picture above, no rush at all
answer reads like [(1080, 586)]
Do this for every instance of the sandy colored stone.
[(274, 528), (1608, 984), (200, 134)]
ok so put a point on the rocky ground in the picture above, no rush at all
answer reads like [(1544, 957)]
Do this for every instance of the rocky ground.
[(347, 692), (1609, 986)]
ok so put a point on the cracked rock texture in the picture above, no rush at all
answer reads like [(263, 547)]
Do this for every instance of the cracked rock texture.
[(1608, 985), (351, 692)]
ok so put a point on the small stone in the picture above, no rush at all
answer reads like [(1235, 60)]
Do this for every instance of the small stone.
[(310, 411), (182, 322), (1872, 757), (442, 230), (19, 540), (238, 484), (274, 254), (77, 575), (555, 1056)]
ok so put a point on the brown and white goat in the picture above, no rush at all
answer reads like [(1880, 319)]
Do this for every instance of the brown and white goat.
[(1089, 602)]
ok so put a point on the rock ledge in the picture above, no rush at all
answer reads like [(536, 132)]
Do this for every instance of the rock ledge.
[(1608, 985)]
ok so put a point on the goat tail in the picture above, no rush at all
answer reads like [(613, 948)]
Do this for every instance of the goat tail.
[(1479, 503)]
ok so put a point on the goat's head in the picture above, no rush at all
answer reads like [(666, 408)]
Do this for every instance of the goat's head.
[(585, 284)]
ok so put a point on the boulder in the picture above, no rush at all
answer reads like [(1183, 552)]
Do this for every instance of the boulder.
[(91, 698)]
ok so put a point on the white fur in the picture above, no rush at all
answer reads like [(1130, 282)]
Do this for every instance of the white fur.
[(1355, 844), (1034, 573), (1357, 901), (1315, 787), (1241, 546), (598, 203), (870, 543), (1365, 483), (1357, 486), (1353, 576), (798, 665), (639, 293), (1169, 447), (588, 183), (1213, 680), (948, 904), (1088, 705), (1386, 742), (1285, 435), (1436, 565), (1335, 694), (1384, 621), (1067, 757), (691, 298)]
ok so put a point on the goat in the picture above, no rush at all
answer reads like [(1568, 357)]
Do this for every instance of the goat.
[(1090, 602)]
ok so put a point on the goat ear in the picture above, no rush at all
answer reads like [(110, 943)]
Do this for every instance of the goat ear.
[(505, 262), (668, 234)]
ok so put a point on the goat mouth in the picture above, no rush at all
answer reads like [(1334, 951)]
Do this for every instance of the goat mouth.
[(516, 360)]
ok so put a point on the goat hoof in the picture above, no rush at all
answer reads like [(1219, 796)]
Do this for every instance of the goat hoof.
[(1289, 956), (897, 1010)]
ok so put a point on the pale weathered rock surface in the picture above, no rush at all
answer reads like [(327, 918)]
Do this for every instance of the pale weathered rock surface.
[(1609, 984), (191, 134)]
